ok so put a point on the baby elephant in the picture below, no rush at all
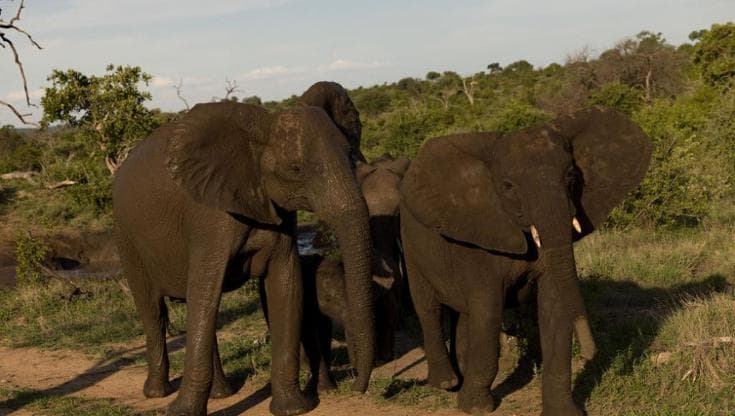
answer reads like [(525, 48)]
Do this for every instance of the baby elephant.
[(325, 299), (325, 305)]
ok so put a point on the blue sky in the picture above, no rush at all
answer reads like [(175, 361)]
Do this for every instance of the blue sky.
[(276, 48)]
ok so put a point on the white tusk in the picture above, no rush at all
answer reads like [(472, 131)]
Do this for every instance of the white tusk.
[(575, 224), (536, 238)]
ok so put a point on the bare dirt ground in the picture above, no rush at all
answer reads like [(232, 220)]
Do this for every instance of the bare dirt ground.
[(62, 373)]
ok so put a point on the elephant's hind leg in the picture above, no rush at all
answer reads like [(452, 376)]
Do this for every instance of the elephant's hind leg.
[(428, 309), (154, 315), (220, 386)]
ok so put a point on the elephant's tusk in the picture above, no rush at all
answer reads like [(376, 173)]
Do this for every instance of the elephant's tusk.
[(536, 238), (575, 224)]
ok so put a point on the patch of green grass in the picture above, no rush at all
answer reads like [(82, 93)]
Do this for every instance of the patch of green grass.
[(53, 316), (659, 294), (41, 404)]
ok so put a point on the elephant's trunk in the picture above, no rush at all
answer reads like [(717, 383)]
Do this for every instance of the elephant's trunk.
[(561, 274), (349, 220)]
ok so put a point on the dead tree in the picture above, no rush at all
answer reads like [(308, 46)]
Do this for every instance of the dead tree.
[(177, 87), (8, 28), (468, 89), (231, 87)]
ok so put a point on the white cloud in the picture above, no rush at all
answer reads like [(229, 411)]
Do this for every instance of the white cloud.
[(270, 72), (344, 64), (20, 95), (162, 82)]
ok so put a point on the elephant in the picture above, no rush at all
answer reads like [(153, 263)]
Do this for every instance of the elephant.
[(205, 203), (485, 212), (333, 98), (325, 297)]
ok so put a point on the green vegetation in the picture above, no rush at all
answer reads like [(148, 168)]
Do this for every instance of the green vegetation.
[(45, 405), (30, 255)]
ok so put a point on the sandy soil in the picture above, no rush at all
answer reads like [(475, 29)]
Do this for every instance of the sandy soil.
[(63, 373)]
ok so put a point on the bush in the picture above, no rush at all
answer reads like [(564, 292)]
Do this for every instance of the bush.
[(618, 96), (687, 172), (30, 254), (18, 152), (518, 115)]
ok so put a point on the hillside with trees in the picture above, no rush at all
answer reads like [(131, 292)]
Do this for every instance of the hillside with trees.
[(681, 95)]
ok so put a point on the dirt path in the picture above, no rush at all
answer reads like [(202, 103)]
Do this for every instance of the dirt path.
[(72, 373)]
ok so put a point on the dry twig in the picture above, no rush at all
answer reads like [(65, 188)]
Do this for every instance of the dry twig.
[(7, 27)]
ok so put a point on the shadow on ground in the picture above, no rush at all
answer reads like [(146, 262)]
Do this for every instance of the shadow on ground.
[(120, 359)]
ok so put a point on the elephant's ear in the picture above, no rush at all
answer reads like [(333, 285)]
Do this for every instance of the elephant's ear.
[(333, 98), (612, 154), (449, 187), (214, 154)]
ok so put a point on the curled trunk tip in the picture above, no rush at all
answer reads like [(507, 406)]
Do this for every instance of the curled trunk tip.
[(587, 348)]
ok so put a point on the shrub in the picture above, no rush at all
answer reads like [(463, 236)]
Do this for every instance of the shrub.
[(30, 254), (618, 96), (518, 115)]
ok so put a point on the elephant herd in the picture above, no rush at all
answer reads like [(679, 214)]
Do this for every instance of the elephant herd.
[(475, 221)]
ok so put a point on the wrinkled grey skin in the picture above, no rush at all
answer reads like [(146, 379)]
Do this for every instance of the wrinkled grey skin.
[(333, 98), (469, 205), (207, 202), (324, 288)]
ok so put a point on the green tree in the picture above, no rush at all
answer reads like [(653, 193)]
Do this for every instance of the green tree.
[(433, 75), (714, 54), (109, 108), (617, 95)]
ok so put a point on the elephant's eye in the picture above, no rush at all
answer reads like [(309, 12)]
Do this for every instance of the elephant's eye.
[(508, 186), (294, 169)]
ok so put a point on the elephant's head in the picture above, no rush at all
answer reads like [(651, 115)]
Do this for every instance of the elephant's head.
[(379, 182), (241, 159), (542, 187), (333, 98)]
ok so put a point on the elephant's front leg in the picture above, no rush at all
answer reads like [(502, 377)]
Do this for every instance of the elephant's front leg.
[(482, 328), (284, 294), (206, 272), (555, 329)]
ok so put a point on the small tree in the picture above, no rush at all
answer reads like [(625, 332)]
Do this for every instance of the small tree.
[(109, 107), (714, 53), (8, 28)]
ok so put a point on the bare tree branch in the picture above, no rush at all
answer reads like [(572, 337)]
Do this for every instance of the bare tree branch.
[(5, 28), (177, 87), (231, 87), (21, 116)]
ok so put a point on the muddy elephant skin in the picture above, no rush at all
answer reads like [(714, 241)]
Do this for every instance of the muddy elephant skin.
[(209, 201), (481, 212)]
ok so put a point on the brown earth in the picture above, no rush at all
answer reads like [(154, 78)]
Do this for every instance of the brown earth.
[(62, 373)]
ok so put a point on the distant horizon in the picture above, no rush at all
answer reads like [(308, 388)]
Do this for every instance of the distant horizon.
[(277, 48)]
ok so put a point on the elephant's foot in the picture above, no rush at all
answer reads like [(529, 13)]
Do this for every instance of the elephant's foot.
[(157, 387), (475, 400), (567, 408), (182, 406), (221, 388), (291, 403), (442, 377), (326, 382)]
